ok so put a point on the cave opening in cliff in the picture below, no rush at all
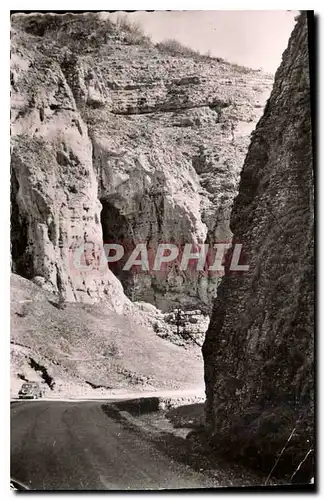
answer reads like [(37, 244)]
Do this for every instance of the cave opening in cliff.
[(21, 261), (116, 229)]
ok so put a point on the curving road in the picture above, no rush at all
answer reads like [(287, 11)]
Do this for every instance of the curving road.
[(59, 445)]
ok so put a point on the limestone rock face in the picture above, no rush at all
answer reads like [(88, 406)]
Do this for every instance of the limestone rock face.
[(114, 139), (258, 350), (55, 208)]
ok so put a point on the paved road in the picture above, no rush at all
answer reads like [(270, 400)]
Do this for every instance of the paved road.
[(90, 445)]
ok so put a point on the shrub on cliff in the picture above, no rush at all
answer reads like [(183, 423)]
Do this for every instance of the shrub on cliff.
[(134, 31), (175, 48)]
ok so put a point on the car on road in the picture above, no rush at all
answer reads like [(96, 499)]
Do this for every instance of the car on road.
[(30, 390)]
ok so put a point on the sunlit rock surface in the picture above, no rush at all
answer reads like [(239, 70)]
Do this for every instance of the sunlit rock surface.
[(114, 139)]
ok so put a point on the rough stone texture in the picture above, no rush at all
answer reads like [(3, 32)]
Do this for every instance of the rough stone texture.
[(115, 139), (183, 328), (258, 350)]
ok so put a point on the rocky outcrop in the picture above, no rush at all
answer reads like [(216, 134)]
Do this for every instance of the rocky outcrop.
[(114, 139), (258, 351), (184, 328)]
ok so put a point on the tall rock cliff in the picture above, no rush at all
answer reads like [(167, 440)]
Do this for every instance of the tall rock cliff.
[(117, 140), (258, 350)]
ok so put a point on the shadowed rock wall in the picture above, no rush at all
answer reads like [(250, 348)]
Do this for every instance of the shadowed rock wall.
[(258, 350)]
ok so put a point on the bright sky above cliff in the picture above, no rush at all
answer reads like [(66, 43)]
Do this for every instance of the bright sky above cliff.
[(255, 39)]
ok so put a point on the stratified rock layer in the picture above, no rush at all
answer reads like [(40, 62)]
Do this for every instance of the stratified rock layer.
[(258, 350), (116, 140)]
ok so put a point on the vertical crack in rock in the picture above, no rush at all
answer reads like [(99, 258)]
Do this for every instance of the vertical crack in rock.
[(116, 230), (258, 350)]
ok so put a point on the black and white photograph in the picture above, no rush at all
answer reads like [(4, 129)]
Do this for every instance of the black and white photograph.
[(162, 251)]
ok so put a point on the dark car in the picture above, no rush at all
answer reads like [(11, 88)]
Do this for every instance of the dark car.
[(30, 390)]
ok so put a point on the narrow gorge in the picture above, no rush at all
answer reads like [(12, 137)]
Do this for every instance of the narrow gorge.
[(120, 143)]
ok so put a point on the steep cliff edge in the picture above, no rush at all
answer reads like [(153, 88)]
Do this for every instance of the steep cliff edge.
[(115, 139), (258, 350)]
